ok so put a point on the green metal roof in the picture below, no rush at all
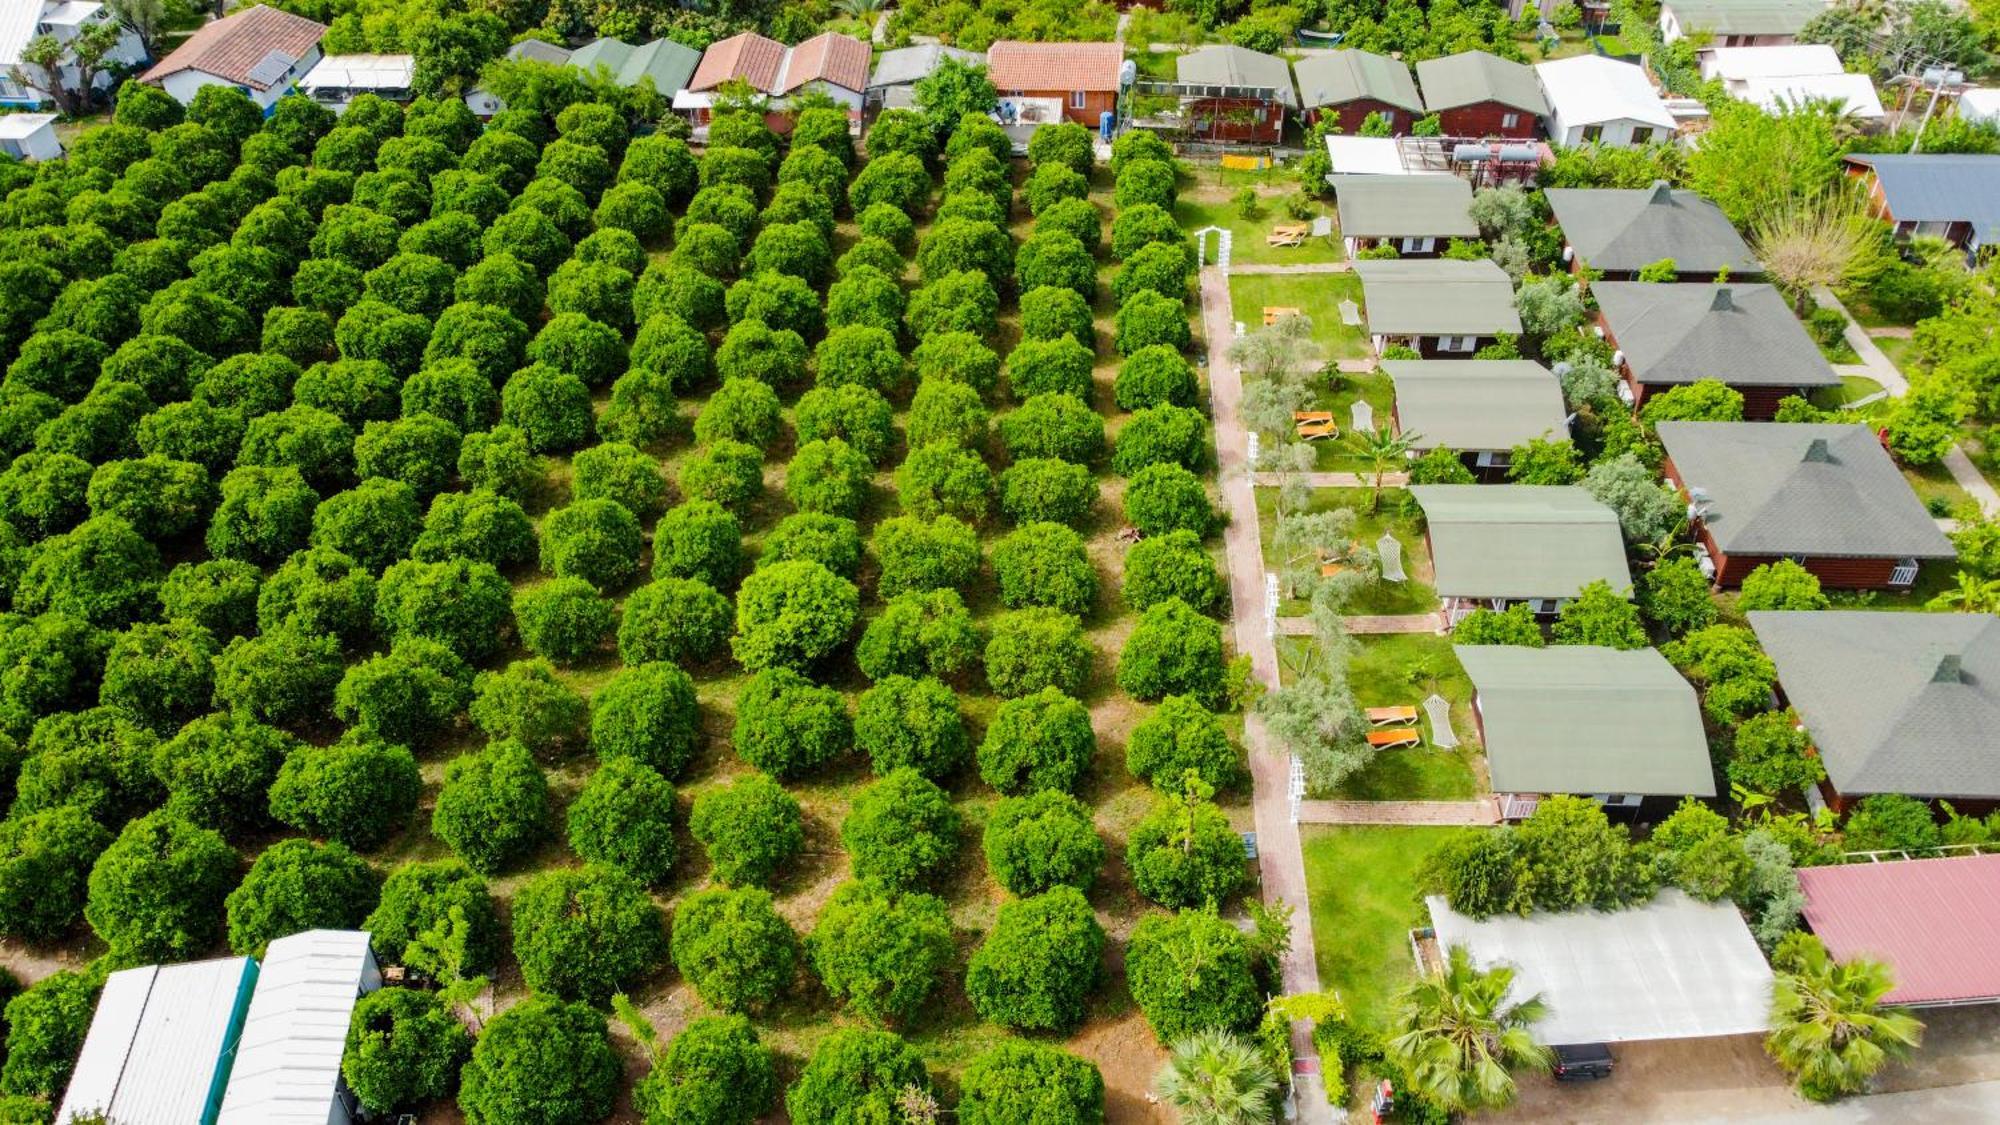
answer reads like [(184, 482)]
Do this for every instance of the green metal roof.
[(1627, 230), (1230, 65), (1821, 489), (667, 63), (1437, 297), (1744, 335), (1521, 540), (1475, 405), (1744, 17), (1338, 77), (1895, 702), (1472, 77), (1583, 719), (1404, 206)]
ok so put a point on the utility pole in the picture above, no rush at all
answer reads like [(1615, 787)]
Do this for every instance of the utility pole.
[(1936, 77)]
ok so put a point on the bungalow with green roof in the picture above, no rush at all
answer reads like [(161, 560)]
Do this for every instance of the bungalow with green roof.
[(667, 63), (1617, 232), (1441, 307), (1621, 727), (1824, 495), (1738, 23), (1350, 85), (1479, 94), (1894, 702), (1418, 215), (1496, 545), (1669, 335), (1479, 409), (1234, 94)]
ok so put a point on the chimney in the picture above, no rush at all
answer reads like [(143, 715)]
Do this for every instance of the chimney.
[(1818, 452), (1663, 193), (1721, 301), (1950, 670)]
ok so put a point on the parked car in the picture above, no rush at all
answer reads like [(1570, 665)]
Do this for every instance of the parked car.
[(1583, 1062)]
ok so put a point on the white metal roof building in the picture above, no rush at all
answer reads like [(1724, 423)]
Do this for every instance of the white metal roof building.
[(340, 78), (1595, 100), (160, 1044), (1674, 968), (287, 1069)]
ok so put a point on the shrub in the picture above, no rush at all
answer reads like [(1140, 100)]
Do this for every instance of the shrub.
[(1148, 319), (949, 412), (699, 539), (618, 472), (218, 769), (958, 357), (861, 355), (285, 677), (46, 1026), (1017, 1081), (1047, 489), (735, 950), (598, 541), (1162, 499), (1192, 972), (856, 414), (828, 476), (1078, 217), (528, 704), (550, 407), (751, 829), (1184, 853), (1050, 184), (1156, 375), (500, 462), (729, 473), (642, 408), (1036, 970), (1781, 585), (1179, 737), (563, 619), (1891, 822), (1042, 840), (677, 620), (918, 555), (1142, 224), (1169, 566), (944, 479), (787, 726), (1163, 435), (1040, 741), (922, 633), (420, 452), (1159, 267), (901, 830), (1054, 425), (168, 498), (1055, 258), (1032, 649), (646, 713), (1046, 366), (1172, 651), (407, 695), (793, 614), (856, 1075), (903, 722), (965, 301), (297, 885), (879, 952), (574, 344), (1772, 755), (156, 893), (437, 917), (494, 807), (357, 792), (864, 297), (782, 303), (45, 862), (374, 523), (403, 1047), (541, 1061), (163, 675), (1045, 564), (715, 1071), (1146, 182), (624, 817)]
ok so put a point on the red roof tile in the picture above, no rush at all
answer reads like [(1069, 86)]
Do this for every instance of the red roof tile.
[(1040, 67), (840, 60), (1932, 921), (231, 47), (749, 56)]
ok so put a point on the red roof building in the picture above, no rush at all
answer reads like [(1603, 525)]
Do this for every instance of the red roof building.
[(1083, 76), (772, 68), (1931, 921), (244, 49)]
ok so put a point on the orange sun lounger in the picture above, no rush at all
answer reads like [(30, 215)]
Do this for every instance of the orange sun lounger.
[(1389, 739), (1389, 716)]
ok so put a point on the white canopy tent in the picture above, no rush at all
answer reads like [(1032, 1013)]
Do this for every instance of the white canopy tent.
[(1674, 968)]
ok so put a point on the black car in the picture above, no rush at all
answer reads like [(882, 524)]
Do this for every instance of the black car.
[(1583, 1062)]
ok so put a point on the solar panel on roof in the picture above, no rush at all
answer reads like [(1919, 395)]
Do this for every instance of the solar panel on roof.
[(271, 68)]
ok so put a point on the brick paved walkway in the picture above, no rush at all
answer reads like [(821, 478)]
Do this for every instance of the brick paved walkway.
[(1486, 810)]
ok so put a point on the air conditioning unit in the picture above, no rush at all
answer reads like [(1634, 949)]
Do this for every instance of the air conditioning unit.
[(1618, 359)]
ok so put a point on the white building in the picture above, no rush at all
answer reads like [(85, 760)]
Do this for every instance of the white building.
[(1980, 107), (24, 21), (29, 136), (339, 79), (287, 1069), (261, 51), (1789, 77), (829, 64), (160, 1043), (1595, 100)]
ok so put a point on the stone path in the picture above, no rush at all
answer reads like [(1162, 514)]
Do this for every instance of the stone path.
[(1289, 267), (881, 32), (1279, 861), (1369, 626), (1485, 810), (1338, 480)]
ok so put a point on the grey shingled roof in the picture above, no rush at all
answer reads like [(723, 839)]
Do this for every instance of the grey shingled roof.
[(907, 66), (1744, 335), (1816, 489), (1621, 230), (1437, 297), (1229, 65), (1521, 540), (1404, 206), (1895, 702), (1474, 405), (1745, 17), (1344, 76), (1584, 719), (1941, 187), (1472, 77)]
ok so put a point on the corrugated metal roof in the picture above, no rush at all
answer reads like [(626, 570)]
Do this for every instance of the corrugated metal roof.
[(1474, 405), (1895, 702), (1472, 77), (158, 1047), (1786, 61), (1584, 719), (1744, 335), (1941, 188), (906, 66), (1437, 297), (1821, 489), (288, 1067), (1373, 206), (1521, 540), (1229, 65), (1589, 90), (18, 19), (1674, 968), (1338, 77), (1745, 17), (351, 72), (1932, 921), (1621, 230)]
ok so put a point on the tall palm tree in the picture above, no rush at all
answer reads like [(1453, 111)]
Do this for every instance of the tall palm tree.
[(1383, 449), (1215, 1078), (1458, 1038), (1828, 1025)]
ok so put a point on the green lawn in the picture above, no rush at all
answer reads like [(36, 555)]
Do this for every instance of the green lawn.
[(1362, 884), (1402, 669), (1398, 515), (1865, 313), (1572, 43), (1898, 349), (1340, 394), (1935, 482), (1853, 388), (1214, 207), (1317, 296)]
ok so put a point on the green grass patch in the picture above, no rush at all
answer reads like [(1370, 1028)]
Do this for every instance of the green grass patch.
[(1398, 515), (1363, 886), (1852, 388), (1213, 206), (1900, 351), (1934, 483), (1344, 390), (1317, 296), (1401, 669)]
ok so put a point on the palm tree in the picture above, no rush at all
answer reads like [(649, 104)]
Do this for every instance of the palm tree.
[(1828, 1026), (1457, 1037), (1215, 1078), (859, 9), (1383, 450)]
